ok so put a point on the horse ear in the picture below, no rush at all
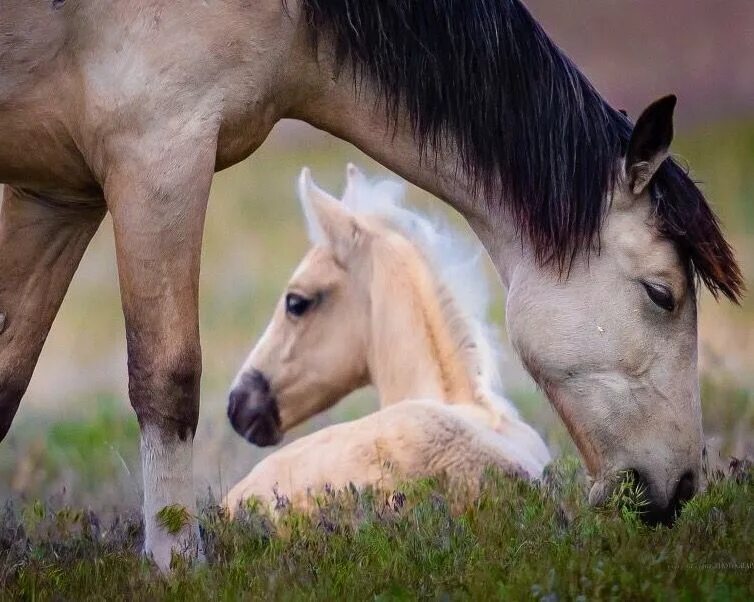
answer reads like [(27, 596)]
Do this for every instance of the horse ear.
[(328, 220), (650, 143)]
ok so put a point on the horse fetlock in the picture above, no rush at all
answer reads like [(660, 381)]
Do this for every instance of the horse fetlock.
[(172, 531), (170, 524), (166, 394)]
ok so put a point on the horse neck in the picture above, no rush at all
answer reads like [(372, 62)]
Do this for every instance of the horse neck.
[(415, 353), (328, 99)]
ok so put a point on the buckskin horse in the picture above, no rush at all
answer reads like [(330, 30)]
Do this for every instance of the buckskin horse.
[(131, 106)]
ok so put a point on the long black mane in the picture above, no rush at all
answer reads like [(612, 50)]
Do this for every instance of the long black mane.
[(483, 76)]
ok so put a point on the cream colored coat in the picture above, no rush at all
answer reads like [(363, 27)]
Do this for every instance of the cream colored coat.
[(421, 346)]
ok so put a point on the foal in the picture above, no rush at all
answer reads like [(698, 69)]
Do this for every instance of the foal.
[(384, 297)]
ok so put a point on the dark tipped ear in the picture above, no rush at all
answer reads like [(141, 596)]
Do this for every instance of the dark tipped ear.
[(650, 143)]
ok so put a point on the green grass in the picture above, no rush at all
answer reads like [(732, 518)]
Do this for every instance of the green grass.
[(93, 453), (517, 540)]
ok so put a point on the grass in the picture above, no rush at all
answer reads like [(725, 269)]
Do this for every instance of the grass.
[(91, 453), (517, 540)]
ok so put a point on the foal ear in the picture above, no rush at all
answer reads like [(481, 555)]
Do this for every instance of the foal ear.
[(328, 220), (355, 180), (650, 143)]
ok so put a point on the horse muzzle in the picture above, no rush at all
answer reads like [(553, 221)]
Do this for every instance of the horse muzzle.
[(658, 508), (253, 410)]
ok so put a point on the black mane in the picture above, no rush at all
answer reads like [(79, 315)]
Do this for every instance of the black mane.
[(483, 76)]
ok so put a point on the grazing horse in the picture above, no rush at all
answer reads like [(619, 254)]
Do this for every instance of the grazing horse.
[(383, 297), (131, 106)]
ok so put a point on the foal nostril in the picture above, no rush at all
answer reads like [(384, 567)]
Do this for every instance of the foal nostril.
[(237, 399), (253, 411)]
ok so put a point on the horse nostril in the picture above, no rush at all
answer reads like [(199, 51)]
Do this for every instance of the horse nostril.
[(685, 489), (640, 483)]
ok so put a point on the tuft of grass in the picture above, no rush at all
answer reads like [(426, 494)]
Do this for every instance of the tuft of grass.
[(173, 518), (629, 499), (517, 540)]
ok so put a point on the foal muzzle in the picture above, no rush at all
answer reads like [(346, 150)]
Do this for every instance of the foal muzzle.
[(253, 411)]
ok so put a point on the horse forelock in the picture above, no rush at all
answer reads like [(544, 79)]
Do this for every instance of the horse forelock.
[(685, 217), (482, 78)]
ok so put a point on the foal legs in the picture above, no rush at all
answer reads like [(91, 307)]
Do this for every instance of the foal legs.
[(41, 244), (158, 216)]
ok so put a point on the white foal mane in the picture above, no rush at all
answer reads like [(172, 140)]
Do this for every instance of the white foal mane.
[(456, 261)]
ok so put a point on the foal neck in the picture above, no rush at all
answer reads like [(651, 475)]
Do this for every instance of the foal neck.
[(414, 352)]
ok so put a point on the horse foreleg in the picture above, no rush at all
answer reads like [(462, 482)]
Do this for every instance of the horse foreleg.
[(158, 216), (41, 244)]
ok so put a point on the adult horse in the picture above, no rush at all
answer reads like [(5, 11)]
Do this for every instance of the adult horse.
[(131, 106)]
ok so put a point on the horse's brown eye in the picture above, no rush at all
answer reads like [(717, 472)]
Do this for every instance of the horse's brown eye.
[(297, 305), (660, 295)]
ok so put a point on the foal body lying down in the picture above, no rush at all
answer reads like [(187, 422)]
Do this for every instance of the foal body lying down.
[(384, 298)]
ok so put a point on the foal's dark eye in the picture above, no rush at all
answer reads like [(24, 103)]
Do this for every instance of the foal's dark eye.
[(297, 305), (660, 295)]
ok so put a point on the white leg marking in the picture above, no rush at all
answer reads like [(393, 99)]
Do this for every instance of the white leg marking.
[(167, 466)]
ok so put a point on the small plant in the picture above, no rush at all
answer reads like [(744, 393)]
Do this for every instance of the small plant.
[(629, 499), (33, 515), (173, 518)]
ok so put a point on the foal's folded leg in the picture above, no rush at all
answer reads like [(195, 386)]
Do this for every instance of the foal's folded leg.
[(409, 440)]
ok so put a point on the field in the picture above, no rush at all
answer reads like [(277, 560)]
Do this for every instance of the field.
[(518, 541), (70, 477)]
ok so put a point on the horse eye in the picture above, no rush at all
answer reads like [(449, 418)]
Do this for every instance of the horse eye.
[(660, 295), (297, 305)]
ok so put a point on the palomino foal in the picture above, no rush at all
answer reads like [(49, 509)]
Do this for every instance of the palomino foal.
[(385, 298)]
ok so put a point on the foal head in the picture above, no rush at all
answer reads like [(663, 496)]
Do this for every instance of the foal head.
[(299, 367), (613, 342), (375, 300)]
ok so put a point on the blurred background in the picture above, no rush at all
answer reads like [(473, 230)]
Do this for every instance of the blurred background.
[(75, 437)]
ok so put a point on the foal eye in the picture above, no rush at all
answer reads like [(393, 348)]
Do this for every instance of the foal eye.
[(297, 305), (660, 295)]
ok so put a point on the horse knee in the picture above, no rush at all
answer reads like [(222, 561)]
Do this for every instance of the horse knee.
[(164, 389)]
